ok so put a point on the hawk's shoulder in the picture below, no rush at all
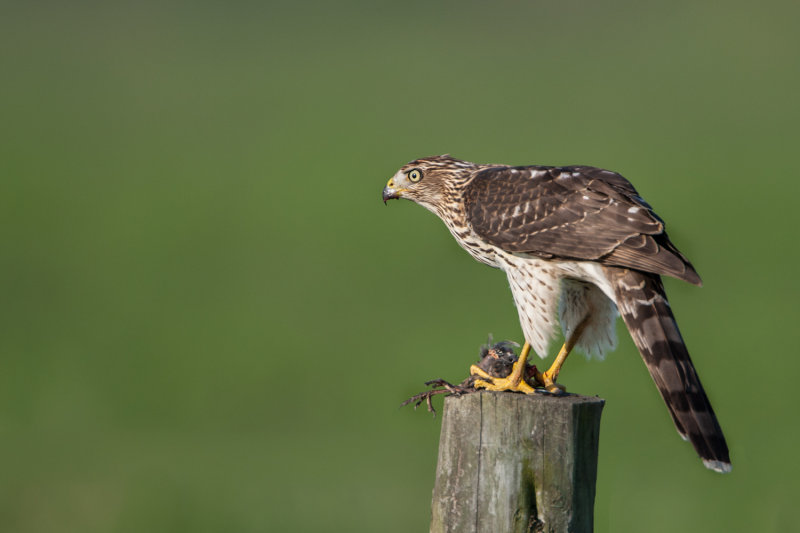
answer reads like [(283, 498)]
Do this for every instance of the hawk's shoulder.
[(571, 212)]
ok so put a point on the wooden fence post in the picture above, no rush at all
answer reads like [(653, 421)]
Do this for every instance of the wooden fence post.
[(516, 463)]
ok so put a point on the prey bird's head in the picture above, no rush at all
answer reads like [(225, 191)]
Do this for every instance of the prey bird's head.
[(428, 181)]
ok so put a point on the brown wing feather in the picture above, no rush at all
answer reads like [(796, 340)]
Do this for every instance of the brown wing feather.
[(644, 308), (575, 212)]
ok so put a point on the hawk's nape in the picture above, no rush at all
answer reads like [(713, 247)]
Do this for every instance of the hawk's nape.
[(582, 243)]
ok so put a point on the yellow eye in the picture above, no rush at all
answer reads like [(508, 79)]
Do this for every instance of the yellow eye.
[(415, 175)]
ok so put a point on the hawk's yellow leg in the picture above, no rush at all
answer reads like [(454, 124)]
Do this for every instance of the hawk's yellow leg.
[(514, 381), (549, 376)]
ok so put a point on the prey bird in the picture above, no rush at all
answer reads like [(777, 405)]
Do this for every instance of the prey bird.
[(580, 243)]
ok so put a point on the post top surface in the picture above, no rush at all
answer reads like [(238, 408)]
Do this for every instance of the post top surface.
[(563, 400)]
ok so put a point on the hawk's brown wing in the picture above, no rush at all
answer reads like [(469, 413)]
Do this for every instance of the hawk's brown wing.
[(574, 212)]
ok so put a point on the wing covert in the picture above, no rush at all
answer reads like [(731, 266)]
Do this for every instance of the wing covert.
[(574, 212)]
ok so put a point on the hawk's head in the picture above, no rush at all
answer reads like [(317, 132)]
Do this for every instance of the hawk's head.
[(426, 181)]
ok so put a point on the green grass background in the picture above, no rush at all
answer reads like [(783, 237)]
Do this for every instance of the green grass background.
[(209, 319)]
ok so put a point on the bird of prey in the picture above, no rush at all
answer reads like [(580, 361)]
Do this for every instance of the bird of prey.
[(580, 243)]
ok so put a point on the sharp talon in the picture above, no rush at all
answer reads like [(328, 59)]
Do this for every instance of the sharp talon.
[(504, 384), (514, 381), (481, 384), (555, 389)]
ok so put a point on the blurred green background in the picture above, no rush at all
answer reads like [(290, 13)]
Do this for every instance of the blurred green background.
[(209, 319)]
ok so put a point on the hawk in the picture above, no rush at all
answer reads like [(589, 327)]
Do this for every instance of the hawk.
[(580, 243)]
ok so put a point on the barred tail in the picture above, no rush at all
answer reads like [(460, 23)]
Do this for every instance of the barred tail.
[(644, 308)]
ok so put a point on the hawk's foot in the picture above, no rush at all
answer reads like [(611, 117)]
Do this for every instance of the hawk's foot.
[(514, 381), (548, 381)]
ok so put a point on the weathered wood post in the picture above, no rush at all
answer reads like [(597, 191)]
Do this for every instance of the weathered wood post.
[(514, 462)]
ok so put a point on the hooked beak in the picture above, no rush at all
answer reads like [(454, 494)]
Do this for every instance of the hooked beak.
[(390, 192)]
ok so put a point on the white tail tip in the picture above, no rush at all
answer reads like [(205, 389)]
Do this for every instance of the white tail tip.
[(717, 466)]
